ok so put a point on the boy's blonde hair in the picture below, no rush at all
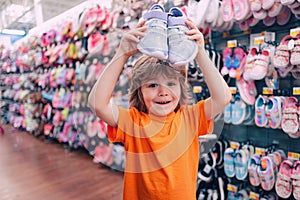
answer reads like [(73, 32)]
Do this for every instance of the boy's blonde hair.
[(147, 68)]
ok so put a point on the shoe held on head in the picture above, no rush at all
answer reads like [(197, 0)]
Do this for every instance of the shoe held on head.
[(181, 49), (155, 43)]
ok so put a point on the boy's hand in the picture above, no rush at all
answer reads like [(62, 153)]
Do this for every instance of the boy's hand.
[(194, 34), (128, 44)]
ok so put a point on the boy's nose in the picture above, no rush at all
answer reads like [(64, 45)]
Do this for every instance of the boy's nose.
[(163, 91)]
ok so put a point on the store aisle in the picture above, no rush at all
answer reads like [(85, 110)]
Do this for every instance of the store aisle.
[(32, 169)]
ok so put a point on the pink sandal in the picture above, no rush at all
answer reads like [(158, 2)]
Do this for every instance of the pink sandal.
[(296, 179), (283, 185), (295, 53), (290, 121), (282, 54)]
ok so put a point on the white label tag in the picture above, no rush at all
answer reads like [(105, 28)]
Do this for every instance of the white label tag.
[(291, 44), (207, 169)]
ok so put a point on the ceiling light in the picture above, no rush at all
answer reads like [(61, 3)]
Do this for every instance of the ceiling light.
[(13, 32)]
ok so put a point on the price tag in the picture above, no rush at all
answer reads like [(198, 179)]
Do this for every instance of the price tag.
[(233, 90), (234, 145), (226, 34), (232, 188), (259, 40), (294, 31), (231, 43), (267, 90), (253, 196), (296, 90), (197, 89), (293, 155), (260, 151)]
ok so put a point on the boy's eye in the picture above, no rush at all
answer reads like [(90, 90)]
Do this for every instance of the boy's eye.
[(152, 85), (171, 84)]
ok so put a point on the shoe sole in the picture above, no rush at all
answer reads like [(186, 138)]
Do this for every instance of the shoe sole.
[(153, 52), (184, 62)]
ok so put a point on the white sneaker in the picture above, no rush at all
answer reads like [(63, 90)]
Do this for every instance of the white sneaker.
[(181, 49), (155, 43)]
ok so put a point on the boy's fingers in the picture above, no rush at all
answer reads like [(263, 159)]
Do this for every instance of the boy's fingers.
[(140, 24), (143, 28), (190, 24), (191, 31)]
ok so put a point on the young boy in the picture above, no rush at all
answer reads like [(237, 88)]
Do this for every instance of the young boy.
[(160, 129)]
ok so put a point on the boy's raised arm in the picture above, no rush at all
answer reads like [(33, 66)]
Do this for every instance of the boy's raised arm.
[(220, 94), (100, 95)]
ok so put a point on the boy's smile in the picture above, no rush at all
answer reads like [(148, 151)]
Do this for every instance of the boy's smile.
[(161, 95)]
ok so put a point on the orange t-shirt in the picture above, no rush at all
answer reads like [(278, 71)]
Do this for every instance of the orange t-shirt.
[(162, 153)]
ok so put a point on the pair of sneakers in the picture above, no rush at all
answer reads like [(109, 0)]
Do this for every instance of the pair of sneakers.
[(165, 37)]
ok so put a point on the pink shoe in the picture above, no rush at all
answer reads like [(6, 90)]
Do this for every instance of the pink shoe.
[(102, 129), (290, 119), (267, 4), (283, 184), (237, 63), (252, 21), (95, 44), (260, 67), (244, 25), (250, 59), (296, 179), (227, 10), (103, 154), (275, 9), (253, 165), (284, 16), (246, 92), (266, 173), (294, 5), (295, 54), (100, 14), (255, 5), (282, 54), (261, 14), (226, 60), (269, 21), (241, 9), (296, 10)]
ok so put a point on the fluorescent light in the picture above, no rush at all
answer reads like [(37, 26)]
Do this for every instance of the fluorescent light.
[(13, 32)]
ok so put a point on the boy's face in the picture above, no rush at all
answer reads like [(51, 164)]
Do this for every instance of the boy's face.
[(161, 95)]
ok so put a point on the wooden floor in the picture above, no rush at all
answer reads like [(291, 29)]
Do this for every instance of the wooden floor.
[(33, 169)]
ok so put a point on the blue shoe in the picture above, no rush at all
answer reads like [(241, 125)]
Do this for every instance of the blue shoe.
[(181, 49), (229, 169), (227, 113), (155, 42), (241, 164), (238, 110)]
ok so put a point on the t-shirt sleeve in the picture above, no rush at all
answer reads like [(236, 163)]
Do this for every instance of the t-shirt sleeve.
[(205, 126), (116, 134)]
